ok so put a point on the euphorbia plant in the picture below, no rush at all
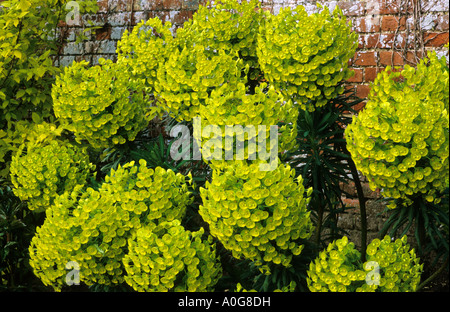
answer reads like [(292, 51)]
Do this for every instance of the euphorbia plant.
[(400, 141), (258, 215), (46, 166), (306, 56), (92, 227), (390, 267)]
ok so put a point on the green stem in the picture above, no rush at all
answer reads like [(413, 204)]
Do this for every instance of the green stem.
[(417, 206), (432, 277), (362, 207)]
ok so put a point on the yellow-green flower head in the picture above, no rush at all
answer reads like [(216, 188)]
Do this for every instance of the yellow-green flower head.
[(245, 119), (166, 257), (400, 140), (142, 50), (92, 227), (257, 215), (229, 24), (45, 167), (100, 104), (189, 75), (390, 267), (306, 56)]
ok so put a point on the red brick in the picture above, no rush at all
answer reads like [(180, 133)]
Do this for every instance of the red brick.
[(435, 39), (372, 41), (182, 17), (370, 73), (166, 4), (391, 58), (365, 59), (361, 40), (352, 8), (387, 6), (103, 33), (442, 23), (367, 24), (102, 6), (391, 23), (357, 77), (359, 106), (413, 57), (362, 91)]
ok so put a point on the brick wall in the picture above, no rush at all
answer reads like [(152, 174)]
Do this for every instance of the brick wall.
[(392, 32)]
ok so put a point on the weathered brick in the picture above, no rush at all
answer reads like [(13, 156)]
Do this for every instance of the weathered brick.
[(352, 8), (182, 16), (433, 39), (370, 73), (442, 22), (358, 76), (73, 48), (392, 23), (391, 58), (103, 33), (362, 91), (435, 6), (168, 4), (116, 32), (367, 24), (103, 6), (388, 6), (367, 58)]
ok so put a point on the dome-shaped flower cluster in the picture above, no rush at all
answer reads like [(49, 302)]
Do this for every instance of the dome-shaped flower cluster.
[(100, 104), (390, 267), (92, 227), (45, 167), (400, 141), (258, 215), (306, 56), (244, 122), (227, 25), (189, 75), (144, 48), (166, 257)]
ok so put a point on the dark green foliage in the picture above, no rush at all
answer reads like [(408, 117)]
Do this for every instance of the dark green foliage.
[(17, 227), (322, 161)]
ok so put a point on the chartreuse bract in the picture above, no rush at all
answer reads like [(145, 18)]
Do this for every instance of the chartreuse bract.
[(305, 56), (166, 257), (391, 266), (257, 215), (400, 141), (46, 166), (101, 104), (92, 227)]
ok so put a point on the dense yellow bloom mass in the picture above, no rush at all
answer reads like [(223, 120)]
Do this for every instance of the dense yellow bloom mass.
[(166, 257), (92, 227), (306, 56), (45, 167), (100, 104), (400, 141), (227, 25), (256, 214), (244, 122), (144, 48), (390, 267)]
